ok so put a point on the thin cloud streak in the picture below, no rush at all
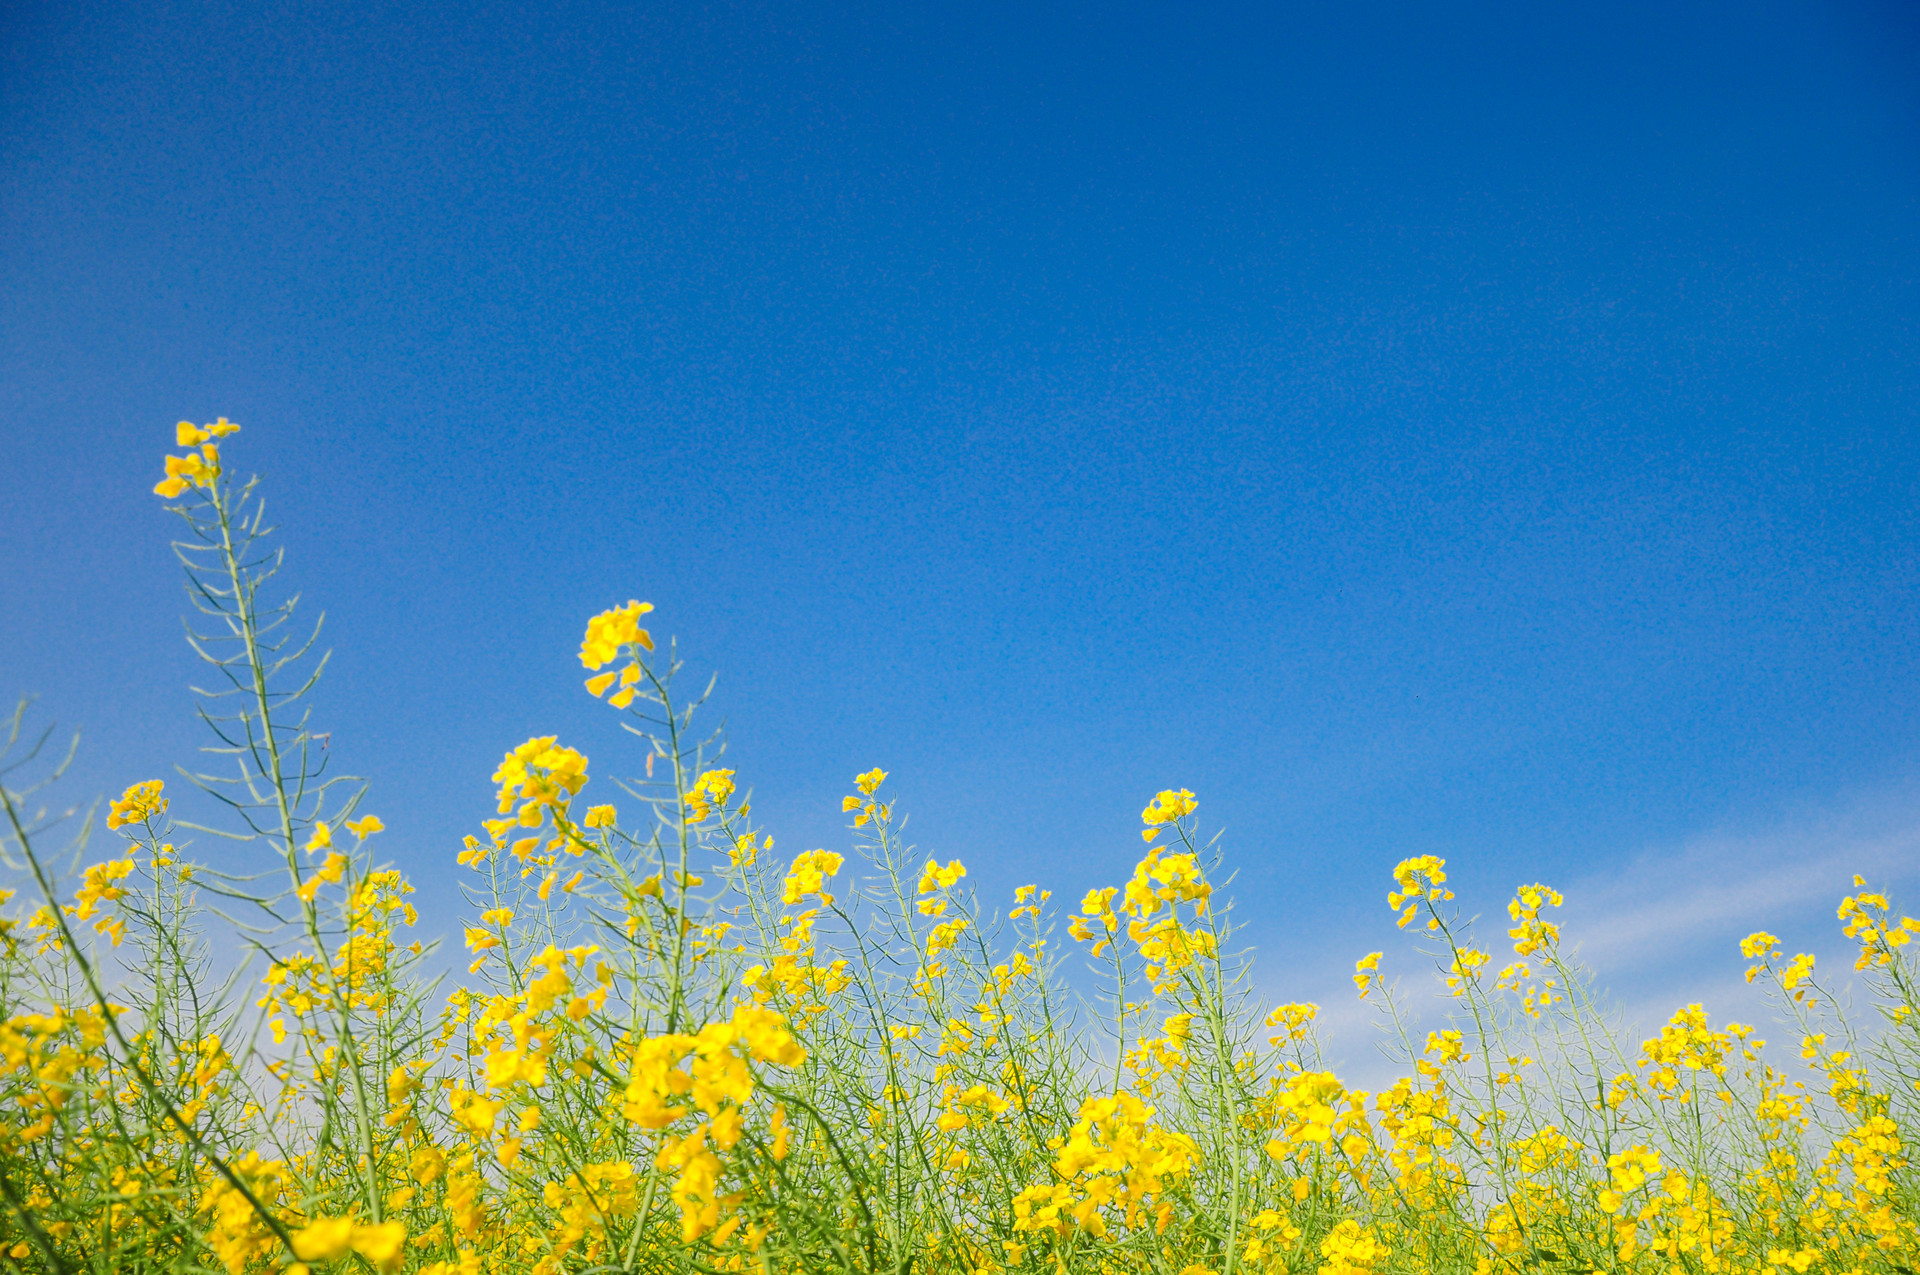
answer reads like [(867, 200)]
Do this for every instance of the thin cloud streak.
[(1716, 889), (1662, 930)]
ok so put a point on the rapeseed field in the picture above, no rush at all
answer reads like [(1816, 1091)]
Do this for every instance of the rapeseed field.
[(678, 1049)]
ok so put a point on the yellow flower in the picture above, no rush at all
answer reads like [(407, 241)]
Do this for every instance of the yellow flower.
[(934, 877), (943, 936), (1425, 877), (382, 1243), (187, 434), (1166, 807), (1529, 933), (1162, 879), (710, 792), (1113, 1158), (1629, 1171), (194, 470), (475, 1112), (809, 874), (868, 782), (1294, 1021), (426, 1164), (540, 775), (1350, 1249), (364, 828), (611, 630), (330, 871), (1465, 969), (137, 804), (326, 1239), (1365, 971)]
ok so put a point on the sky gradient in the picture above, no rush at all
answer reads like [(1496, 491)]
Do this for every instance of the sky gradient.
[(1485, 431)]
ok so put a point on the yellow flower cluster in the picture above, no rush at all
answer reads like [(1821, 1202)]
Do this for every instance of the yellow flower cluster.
[(808, 876), (1113, 1170), (863, 806), (1166, 807), (539, 776), (1420, 879), (195, 469), (709, 793), (719, 1084), (140, 803), (1870, 923), (608, 635), (329, 1239), (100, 885)]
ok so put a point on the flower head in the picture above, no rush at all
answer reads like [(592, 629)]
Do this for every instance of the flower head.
[(1529, 933), (1425, 877), (809, 874), (195, 469), (137, 804), (1365, 971), (609, 634), (710, 792), (1170, 879), (934, 877), (1294, 1020), (1166, 807), (539, 774)]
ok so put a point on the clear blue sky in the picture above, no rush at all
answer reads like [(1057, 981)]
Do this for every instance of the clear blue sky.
[(1487, 430)]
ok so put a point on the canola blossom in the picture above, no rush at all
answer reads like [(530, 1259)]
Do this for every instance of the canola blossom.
[(668, 1048)]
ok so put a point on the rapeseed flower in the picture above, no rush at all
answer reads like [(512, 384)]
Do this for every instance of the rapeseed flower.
[(1167, 807), (195, 469), (139, 804), (808, 875)]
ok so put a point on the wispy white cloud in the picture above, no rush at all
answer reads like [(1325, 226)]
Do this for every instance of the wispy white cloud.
[(1668, 902), (1659, 927)]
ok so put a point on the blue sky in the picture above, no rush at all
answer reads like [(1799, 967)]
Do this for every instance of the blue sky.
[(1482, 430)]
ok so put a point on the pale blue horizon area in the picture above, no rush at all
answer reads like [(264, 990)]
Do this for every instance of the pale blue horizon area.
[(1488, 432)]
